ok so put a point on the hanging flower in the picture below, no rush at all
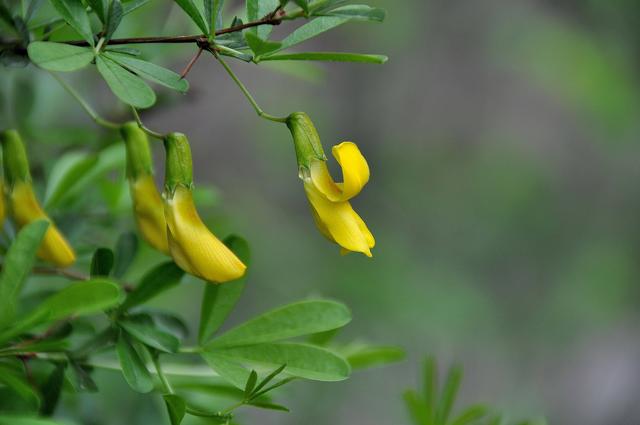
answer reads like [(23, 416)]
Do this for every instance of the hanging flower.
[(23, 204), (193, 247), (148, 207), (332, 211)]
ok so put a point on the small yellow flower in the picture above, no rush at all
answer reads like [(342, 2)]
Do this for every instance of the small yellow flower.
[(149, 212), (23, 205), (25, 208), (148, 207), (329, 200), (193, 247)]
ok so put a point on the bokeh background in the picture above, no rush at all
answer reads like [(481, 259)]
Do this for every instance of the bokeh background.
[(503, 142)]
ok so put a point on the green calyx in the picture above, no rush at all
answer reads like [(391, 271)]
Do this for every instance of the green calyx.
[(179, 169), (14, 158), (305, 139), (139, 162)]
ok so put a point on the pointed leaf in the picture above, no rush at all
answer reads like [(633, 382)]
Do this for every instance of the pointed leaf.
[(369, 356), (67, 171), (133, 367), (449, 393), (128, 87), (219, 300), (17, 266), (113, 19), (470, 415), (51, 390), (150, 71), (101, 262), (132, 5), (74, 13), (326, 56), (159, 279), (302, 360), (194, 13), (59, 56), (229, 369), (297, 319), (151, 336), (311, 29), (269, 378), (251, 383), (126, 249), (176, 408), (100, 8), (269, 406), (259, 46), (361, 12), (430, 384), (417, 409)]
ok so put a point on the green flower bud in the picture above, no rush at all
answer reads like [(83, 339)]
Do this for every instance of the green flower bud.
[(16, 165), (305, 139), (179, 171), (139, 161)]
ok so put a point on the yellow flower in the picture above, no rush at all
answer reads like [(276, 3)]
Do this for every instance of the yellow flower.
[(149, 212), (25, 208), (148, 207), (193, 247), (329, 200)]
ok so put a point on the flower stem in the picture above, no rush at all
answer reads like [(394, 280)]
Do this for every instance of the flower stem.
[(88, 109), (163, 379), (143, 128), (246, 93)]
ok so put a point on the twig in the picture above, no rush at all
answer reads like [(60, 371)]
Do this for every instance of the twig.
[(199, 39), (52, 271), (193, 60)]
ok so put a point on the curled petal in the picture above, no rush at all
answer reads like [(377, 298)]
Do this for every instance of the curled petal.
[(355, 173), (149, 212), (193, 247), (340, 223), (25, 208)]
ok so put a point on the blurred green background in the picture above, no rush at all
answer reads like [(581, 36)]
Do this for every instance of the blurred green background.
[(503, 142)]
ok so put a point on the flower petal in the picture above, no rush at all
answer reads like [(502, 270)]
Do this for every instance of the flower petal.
[(25, 208), (149, 212), (194, 248), (355, 173), (339, 222)]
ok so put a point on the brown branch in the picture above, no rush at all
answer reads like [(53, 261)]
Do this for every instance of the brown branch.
[(270, 19)]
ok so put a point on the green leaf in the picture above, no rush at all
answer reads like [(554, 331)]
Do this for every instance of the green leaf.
[(59, 56), (9, 419), (430, 384), (159, 279), (113, 19), (151, 336), (213, 13), (260, 46), (101, 262), (133, 367), (194, 13), (51, 390), (67, 171), (125, 252), (82, 380), (251, 383), (301, 318), (19, 386), (128, 87), (268, 379), (17, 266), (302, 360), (368, 356), (417, 409), (74, 13), (311, 29), (130, 6), (360, 12), (229, 369), (219, 300), (449, 393), (268, 406), (303, 4), (470, 415), (100, 8), (327, 56), (150, 71), (176, 408), (257, 9)]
